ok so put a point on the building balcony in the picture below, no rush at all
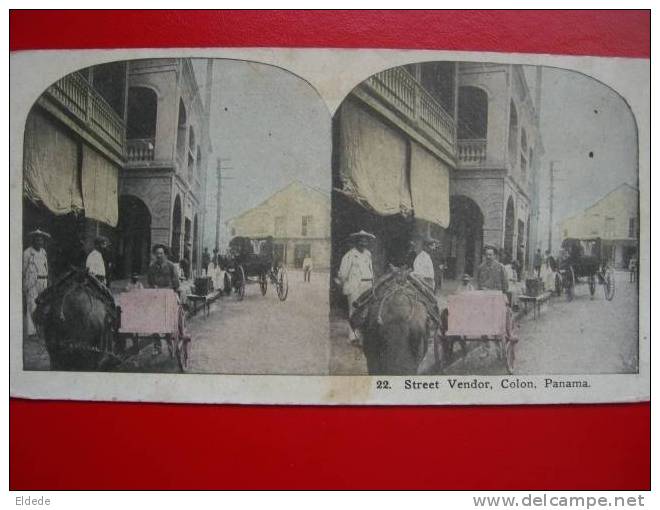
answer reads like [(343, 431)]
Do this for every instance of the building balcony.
[(471, 152), (140, 149), (86, 105), (398, 88)]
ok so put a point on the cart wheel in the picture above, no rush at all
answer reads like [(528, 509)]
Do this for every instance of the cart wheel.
[(282, 284), (239, 274), (569, 284), (609, 284), (169, 340), (263, 284), (509, 343), (183, 353), (509, 355), (592, 285)]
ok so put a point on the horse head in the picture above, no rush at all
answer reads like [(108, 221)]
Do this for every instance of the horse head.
[(396, 322), (78, 318)]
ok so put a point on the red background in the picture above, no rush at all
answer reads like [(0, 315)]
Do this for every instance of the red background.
[(80, 445)]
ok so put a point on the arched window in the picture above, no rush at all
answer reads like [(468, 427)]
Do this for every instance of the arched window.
[(191, 159), (142, 113), (513, 133), (472, 113), (523, 141), (182, 127)]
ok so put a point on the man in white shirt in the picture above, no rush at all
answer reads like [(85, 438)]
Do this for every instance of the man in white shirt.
[(95, 263), (356, 274), (423, 265), (35, 275)]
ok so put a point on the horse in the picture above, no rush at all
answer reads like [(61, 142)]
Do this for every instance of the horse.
[(78, 318), (396, 318)]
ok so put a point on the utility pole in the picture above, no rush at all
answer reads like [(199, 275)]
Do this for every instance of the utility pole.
[(552, 202), (218, 216)]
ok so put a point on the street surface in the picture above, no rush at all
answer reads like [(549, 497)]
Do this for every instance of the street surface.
[(262, 335), (584, 336), (259, 335)]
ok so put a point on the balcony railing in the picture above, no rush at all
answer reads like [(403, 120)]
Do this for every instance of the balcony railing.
[(472, 152), (398, 87), (85, 103), (140, 149)]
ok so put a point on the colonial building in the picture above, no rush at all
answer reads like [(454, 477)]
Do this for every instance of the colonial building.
[(298, 219), (443, 149), (615, 219), (167, 152), (73, 152), (119, 150), (493, 195), (394, 146)]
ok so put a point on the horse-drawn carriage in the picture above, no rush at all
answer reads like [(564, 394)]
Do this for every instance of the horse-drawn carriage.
[(254, 261), (584, 260), (86, 328)]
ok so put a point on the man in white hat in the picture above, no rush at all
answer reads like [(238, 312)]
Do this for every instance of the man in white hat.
[(35, 275), (356, 274)]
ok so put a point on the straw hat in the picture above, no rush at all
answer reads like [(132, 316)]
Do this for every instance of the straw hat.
[(39, 232), (362, 233)]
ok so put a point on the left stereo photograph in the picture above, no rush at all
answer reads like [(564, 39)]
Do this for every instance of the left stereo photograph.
[(176, 218)]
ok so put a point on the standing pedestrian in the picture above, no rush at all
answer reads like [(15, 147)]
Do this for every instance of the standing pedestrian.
[(538, 262), (95, 263), (206, 260), (35, 275), (423, 265), (307, 268), (356, 274)]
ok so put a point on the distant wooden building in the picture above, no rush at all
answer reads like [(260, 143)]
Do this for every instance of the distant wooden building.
[(615, 219), (298, 219)]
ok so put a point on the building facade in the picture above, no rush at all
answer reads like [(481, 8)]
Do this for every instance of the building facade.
[(162, 184), (118, 150), (615, 219), (444, 149), (499, 149), (73, 153), (297, 218)]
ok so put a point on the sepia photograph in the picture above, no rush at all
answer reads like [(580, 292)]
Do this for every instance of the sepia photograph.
[(176, 218), (485, 220), (440, 222)]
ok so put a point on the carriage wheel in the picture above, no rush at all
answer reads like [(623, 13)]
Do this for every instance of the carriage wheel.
[(609, 284), (263, 283), (592, 284), (227, 284), (558, 284), (569, 284), (239, 274), (282, 284)]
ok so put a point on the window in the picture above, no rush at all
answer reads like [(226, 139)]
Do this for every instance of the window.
[(523, 168), (472, 113), (280, 226), (513, 133), (632, 228), (609, 226), (307, 225)]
